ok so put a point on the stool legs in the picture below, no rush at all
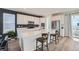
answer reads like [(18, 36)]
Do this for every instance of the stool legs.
[(47, 47), (55, 40), (42, 46), (36, 45)]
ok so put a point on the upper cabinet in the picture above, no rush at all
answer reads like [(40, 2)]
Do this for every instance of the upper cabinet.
[(37, 20), (43, 20), (24, 19), (21, 19)]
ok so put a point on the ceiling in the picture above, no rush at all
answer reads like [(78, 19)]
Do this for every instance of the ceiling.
[(43, 11)]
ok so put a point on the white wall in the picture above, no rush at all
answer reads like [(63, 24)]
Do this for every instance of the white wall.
[(65, 22), (61, 18), (68, 27)]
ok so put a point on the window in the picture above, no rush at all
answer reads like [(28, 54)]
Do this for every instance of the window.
[(8, 22), (75, 25)]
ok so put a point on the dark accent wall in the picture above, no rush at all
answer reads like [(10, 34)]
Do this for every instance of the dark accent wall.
[(1, 19), (16, 23), (1, 23)]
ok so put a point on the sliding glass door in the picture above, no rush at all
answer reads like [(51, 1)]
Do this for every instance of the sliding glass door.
[(8, 22), (75, 25)]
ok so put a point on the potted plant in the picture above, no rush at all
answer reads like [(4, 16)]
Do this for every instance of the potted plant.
[(11, 34)]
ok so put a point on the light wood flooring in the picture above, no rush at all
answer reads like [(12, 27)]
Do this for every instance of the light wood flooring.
[(13, 45), (65, 44)]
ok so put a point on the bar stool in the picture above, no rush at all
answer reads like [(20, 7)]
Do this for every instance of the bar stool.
[(57, 36), (45, 36), (42, 40)]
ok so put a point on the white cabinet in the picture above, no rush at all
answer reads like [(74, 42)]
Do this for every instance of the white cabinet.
[(32, 18), (26, 19), (37, 21), (43, 20), (21, 19)]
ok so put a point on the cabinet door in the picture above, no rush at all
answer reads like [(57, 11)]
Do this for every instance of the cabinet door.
[(43, 20), (21, 19), (26, 19), (37, 20)]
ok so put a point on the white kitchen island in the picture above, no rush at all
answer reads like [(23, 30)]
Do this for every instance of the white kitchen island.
[(28, 39)]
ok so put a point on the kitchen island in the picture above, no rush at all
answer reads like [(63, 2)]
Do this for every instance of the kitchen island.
[(27, 39)]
